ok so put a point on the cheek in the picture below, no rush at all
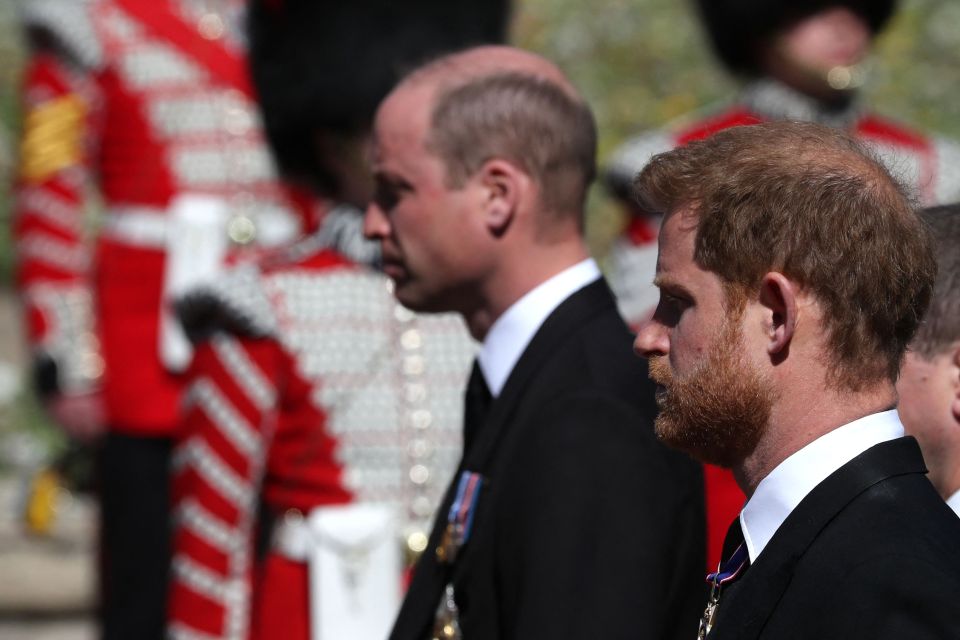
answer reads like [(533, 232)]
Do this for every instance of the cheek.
[(689, 341)]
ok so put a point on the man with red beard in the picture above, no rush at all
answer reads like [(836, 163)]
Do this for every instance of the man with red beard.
[(793, 272)]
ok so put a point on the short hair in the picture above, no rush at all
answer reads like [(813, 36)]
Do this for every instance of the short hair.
[(816, 205), (522, 118), (941, 325)]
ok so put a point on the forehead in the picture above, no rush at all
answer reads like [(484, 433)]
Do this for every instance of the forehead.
[(676, 242), (675, 261), (402, 121)]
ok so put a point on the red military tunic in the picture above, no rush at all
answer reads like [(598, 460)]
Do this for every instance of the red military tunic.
[(316, 388), (930, 166), (137, 102)]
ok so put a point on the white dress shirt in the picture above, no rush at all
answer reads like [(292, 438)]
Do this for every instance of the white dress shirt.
[(954, 502), (513, 331), (781, 491)]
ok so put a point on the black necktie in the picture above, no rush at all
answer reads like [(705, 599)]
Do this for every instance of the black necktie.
[(476, 404)]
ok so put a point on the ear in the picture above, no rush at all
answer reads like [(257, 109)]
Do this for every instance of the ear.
[(503, 184), (778, 295)]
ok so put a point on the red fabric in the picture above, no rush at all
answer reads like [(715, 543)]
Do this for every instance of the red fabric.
[(724, 502), (128, 142), (641, 231), (733, 118), (45, 81), (128, 161), (225, 66), (281, 601), (292, 465)]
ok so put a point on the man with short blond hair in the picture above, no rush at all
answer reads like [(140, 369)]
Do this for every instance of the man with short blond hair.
[(929, 383), (793, 272), (566, 518)]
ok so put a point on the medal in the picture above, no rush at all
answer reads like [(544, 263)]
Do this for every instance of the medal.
[(710, 613), (446, 622), (730, 570), (449, 545), (460, 517)]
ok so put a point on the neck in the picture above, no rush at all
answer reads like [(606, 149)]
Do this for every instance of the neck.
[(516, 274), (800, 418)]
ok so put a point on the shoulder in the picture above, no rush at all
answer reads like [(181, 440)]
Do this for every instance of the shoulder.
[(246, 299), (629, 158), (898, 517), (70, 25)]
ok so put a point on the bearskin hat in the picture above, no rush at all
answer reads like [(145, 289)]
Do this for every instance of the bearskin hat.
[(737, 28), (326, 64)]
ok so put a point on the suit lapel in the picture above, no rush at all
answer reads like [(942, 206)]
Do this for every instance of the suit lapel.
[(565, 320), (750, 603)]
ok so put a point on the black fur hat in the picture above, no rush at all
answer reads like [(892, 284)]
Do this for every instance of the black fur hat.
[(326, 64), (737, 28)]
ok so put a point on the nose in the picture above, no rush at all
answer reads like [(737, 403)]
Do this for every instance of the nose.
[(652, 340), (376, 226)]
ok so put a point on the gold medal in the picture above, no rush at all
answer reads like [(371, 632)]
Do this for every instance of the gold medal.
[(447, 549)]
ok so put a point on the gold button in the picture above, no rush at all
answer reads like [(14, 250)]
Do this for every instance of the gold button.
[(417, 542), (421, 419), (241, 229), (419, 474), (411, 339)]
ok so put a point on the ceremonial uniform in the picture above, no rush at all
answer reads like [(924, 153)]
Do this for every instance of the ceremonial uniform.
[(147, 106), (312, 388), (929, 165)]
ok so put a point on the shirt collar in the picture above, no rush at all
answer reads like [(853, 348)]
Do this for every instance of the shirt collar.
[(781, 491), (954, 502), (513, 331)]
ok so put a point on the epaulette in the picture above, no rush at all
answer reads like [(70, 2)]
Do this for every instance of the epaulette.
[(236, 303)]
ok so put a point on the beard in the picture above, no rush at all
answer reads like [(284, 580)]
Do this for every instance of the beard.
[(719, 411)]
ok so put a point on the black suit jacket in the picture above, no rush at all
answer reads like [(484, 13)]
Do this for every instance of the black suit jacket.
[(872, 552), (586, 526)]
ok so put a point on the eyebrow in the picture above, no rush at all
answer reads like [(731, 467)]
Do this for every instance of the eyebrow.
[(664, 283)]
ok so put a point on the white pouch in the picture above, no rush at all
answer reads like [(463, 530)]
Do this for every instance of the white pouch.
[(355, 572), (197, 247)]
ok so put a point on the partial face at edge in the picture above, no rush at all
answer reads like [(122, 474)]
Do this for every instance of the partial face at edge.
[(929, 404)]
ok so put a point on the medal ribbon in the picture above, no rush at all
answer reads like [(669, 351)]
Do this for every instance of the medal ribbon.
[(464, 505), (730, 569)]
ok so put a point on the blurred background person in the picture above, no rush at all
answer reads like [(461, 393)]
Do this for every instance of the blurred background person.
[(312, 391), (146, 107), (929, 383), (801, 60)]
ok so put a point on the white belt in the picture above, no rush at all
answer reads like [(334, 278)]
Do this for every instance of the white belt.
[(139, 226), (149, 226)]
